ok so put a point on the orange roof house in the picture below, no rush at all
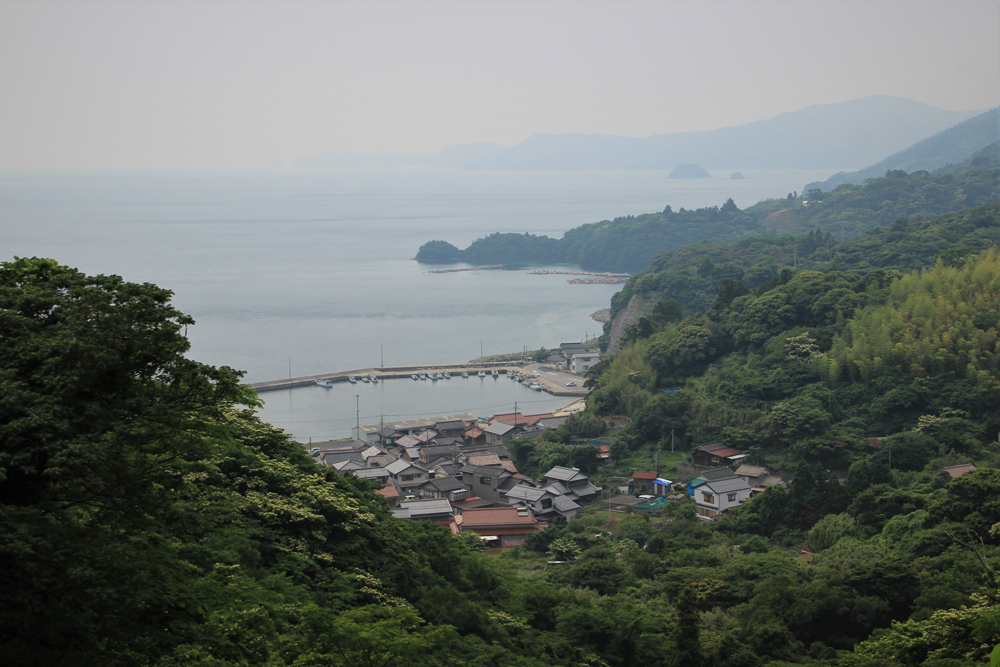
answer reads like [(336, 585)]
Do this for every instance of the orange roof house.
[(391, 494), (642, 481), (499, 526), (517, 419)]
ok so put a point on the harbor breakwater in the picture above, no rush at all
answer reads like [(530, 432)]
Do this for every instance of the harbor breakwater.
[(404, 373)]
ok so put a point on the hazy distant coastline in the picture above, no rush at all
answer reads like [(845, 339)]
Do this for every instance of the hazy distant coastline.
[(828, 136)]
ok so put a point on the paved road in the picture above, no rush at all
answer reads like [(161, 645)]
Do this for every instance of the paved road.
[(554, 381)]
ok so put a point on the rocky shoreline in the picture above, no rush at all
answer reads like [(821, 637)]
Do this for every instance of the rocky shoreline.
[(603, 315)]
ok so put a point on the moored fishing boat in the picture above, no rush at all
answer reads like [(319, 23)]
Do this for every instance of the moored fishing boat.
[(465, 375), (326, 384), (352, 380), (414, 376)]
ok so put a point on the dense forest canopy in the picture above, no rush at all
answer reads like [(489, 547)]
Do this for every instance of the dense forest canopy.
[(151, 519), (692, 275)]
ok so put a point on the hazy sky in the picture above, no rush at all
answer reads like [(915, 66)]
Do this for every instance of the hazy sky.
[(238, 84)]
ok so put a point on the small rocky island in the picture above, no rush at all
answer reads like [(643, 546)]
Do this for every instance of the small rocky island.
[(689, 171), (737, 176)]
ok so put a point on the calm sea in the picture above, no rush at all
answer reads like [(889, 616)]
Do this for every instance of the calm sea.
[(309, 271)]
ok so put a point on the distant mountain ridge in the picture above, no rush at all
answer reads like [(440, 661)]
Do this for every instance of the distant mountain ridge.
[(951, 146), (832, 136)]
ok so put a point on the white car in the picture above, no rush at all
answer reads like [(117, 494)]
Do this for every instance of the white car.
[(571, 383)]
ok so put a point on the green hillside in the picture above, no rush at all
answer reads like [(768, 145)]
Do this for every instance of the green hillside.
[(150, 519), (691, 275)]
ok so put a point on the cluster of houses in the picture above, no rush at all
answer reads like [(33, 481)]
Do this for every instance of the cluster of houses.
[(715, 490), (456, 470), (573, 357)]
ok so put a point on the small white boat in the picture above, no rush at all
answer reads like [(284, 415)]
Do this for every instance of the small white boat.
[(326, 384), (447, 376), (495, 374), (423, 376), (365, 378), (352, 380), (414, 377), (374, 379), (482, 374), (536, 386), (465, 375)]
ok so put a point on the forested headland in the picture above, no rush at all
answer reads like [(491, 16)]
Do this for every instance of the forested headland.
[(629, 243)]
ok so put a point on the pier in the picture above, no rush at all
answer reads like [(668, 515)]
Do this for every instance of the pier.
[(404, 373), (471, 268), (597, 281), (546, 272)]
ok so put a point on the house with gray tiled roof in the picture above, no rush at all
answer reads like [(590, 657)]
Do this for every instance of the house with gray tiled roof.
[(438, 510), (435, 451), (444, 487), (542, 501), (488, 482), (571, 482), (499, 433), (716, 497), (751, 474), (380, 475), (406, 475)]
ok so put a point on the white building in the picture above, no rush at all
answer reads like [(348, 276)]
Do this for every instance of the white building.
[(581, 362), (715, 497)]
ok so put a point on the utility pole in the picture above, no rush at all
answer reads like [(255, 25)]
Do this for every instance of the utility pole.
[(381, 428), (357, 413), (671, 441)]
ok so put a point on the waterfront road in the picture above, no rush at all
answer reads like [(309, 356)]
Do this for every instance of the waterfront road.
[(554, 381)]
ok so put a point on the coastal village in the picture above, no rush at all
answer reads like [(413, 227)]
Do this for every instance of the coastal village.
[(457, 471)]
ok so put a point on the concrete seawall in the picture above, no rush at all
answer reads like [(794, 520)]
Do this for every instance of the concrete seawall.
[(404, 372)]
